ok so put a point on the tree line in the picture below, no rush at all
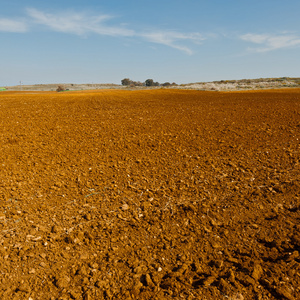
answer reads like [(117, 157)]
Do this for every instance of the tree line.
[(148, 82)]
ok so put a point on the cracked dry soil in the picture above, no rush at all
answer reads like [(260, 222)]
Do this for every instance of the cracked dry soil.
[(162, 194)]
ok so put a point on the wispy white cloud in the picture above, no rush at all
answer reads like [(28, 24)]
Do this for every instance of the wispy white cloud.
[(10, 25), (78, 23), (171, 39), (83, 24), (271, 42)]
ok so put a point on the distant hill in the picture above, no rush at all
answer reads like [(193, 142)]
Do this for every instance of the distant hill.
[(222, 85), (245, 84)]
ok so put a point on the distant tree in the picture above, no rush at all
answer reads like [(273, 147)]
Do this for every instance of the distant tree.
[(126, 81), (156, 83), (60, 88), (149, 82), (138, 83), (166, 84)]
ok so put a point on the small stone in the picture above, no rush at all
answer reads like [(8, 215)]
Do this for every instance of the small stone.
[(76, 241), (238, 297), (62, 282), (32, 271), (125, 207)]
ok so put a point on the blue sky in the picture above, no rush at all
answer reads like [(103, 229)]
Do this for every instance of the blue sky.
[(89, 41)]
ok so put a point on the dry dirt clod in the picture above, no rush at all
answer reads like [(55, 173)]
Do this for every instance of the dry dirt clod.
[(88, 217), (284, 293), (209, 280), (149, 280), (257, 272), (62, 281), (84, 256), (24, 287)]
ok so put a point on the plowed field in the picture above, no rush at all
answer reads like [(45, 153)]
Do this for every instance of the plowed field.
[(162, 194)]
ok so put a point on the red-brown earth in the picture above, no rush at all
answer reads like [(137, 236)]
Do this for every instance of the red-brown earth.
[(162, 194)]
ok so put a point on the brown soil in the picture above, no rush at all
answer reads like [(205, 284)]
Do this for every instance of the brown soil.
[(162, 194)]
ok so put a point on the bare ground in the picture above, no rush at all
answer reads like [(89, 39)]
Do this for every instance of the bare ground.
[(162, 194)]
